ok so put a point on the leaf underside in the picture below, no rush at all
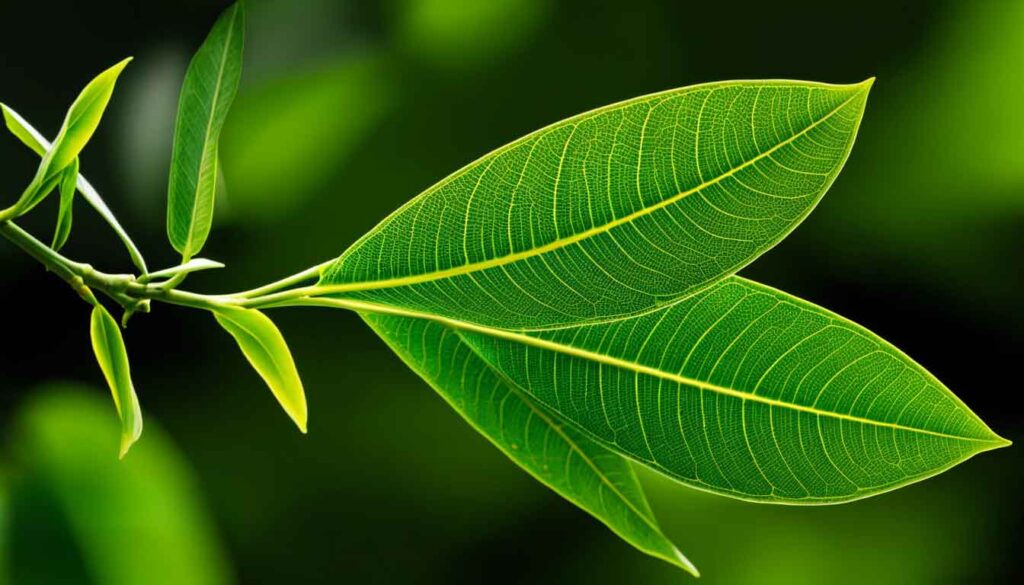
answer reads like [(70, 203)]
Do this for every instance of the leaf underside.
[(612, 213), (562, 458)]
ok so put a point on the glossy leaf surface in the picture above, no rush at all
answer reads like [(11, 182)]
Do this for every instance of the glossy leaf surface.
[(206, 95), (562, 458), (68, 186), (747, 391), (108, 345), (82, 119), (614, 212), (31, 138), (265, 348)]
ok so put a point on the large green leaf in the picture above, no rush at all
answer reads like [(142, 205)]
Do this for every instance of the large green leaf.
[(108, 345), (747, 391), (573, 465), (614, 212), (82, 119), (744, 391), (268, 353), (206, 95)]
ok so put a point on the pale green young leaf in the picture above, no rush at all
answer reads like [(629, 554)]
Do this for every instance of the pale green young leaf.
[(108, 345), (749, 392), (31, 138), (265, 348), (206, 95), (614, 212), (24, 132), (576, 467), (82, 119), (193, 265), (68, 185)]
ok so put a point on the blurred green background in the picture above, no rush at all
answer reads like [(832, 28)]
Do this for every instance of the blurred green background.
[(347, 110)]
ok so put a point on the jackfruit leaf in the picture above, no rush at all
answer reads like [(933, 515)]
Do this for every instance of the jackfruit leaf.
[(576, 467), (211, 82), (614, 212), (108, 345), (267, 352)]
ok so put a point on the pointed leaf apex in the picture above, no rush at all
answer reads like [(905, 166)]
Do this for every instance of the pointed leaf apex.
[(685, 563)]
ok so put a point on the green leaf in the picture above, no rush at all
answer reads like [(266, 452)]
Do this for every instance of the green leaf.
[(108, 346), (567, 461), (206, 95), (31, 138), (23, 131), (141, 520), (265, 348), (612, 213), (82, 119), (193, 265), (68, 183), (744, 391)]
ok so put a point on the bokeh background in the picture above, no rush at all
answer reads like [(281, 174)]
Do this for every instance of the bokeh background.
[(347, 110)]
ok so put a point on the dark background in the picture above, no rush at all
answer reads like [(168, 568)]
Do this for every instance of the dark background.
[(349, 109)]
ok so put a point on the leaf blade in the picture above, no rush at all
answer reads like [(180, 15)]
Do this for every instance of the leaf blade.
[(601, 483), (659, 372), (108, 345), (264, 347), (613, 212), (80, 123), (68, 185), (210, 85), (35, 141), (917, 426)]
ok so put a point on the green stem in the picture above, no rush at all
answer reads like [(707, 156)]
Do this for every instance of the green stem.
[(299, 278), (131, 294)]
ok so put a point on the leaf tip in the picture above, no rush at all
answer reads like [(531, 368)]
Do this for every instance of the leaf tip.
[(867, 83), (127, 440), (1001, 442), (685, 563), (299, 416)]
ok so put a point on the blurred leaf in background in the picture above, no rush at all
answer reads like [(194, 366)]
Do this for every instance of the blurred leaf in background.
[(287, 136), (454, 34), (139, 520), (938, 190)]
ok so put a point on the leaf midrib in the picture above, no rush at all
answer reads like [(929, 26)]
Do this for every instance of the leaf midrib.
[(187, 252), (586, 234), (646, 518), (628, 365)]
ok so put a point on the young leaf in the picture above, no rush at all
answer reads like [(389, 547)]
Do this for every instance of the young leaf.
[(265, 348), (562, 458), (108, 346), (206, 95), (23, 131), (68, 184), (745, 391), (31, 138), (81, 121), (614, 212), (193, 265)]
